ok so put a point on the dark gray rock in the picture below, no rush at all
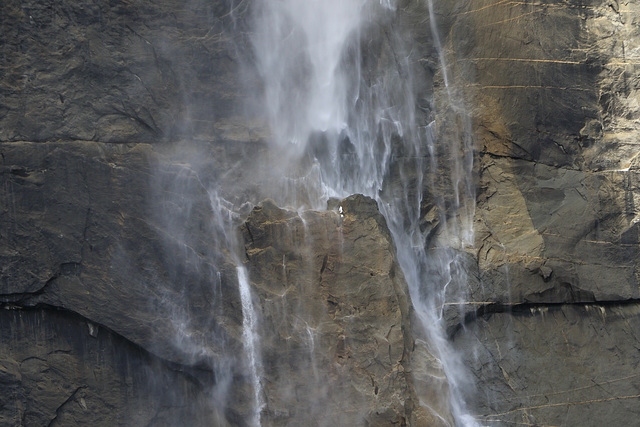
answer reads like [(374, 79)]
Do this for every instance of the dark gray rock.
[(85, 230), (57, 368), (119, 71), (555, 365), (80, 231)]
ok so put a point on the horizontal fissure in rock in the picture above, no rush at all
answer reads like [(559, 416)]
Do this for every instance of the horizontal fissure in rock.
[(487, 308)]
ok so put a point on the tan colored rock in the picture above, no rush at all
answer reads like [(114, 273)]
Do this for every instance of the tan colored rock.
[(552, 92), (336, 332)]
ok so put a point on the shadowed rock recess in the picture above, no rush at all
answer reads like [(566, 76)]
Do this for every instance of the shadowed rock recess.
[(125, 123)]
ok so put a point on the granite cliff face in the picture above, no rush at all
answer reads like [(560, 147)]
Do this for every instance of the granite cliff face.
[(93, 305), (553, 313), (120, 121)]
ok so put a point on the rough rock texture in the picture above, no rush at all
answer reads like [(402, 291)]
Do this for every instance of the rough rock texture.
[(116, 282), (552, 305), (337, 342), (81, 239), (79, 231), (118, 71), (83, 242), (91, 230), (57, 369), (567, 364)]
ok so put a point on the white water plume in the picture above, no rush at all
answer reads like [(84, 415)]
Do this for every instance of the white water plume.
[(343, 94), (299, 45), (251, 342), (349, 113)]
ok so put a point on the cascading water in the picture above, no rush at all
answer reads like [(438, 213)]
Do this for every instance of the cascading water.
[(351, 109), (342, 99), (250, 340)]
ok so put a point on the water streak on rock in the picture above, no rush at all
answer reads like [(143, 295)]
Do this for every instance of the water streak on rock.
[(342, 99)]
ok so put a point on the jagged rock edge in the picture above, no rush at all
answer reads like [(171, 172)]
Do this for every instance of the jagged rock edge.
[(486, 310)]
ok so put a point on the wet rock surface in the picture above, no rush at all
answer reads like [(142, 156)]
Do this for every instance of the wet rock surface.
[(337, 342), (104, 248), (83, 247), (57, 368), (80, 232)]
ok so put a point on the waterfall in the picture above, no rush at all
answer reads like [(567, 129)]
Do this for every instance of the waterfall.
[(298, 45), (223, 217), (342, 99), (250, 341), (351, 108), (207, 340)]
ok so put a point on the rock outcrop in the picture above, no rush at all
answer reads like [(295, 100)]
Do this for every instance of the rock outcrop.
[(336, 330)]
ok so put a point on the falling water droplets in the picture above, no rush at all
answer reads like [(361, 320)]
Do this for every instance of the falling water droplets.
[(251, 341), (356, 124)]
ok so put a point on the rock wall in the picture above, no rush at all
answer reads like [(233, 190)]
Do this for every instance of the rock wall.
[(552, 316), (108, 305), (120, 301), (120, 71), (82, 249)]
